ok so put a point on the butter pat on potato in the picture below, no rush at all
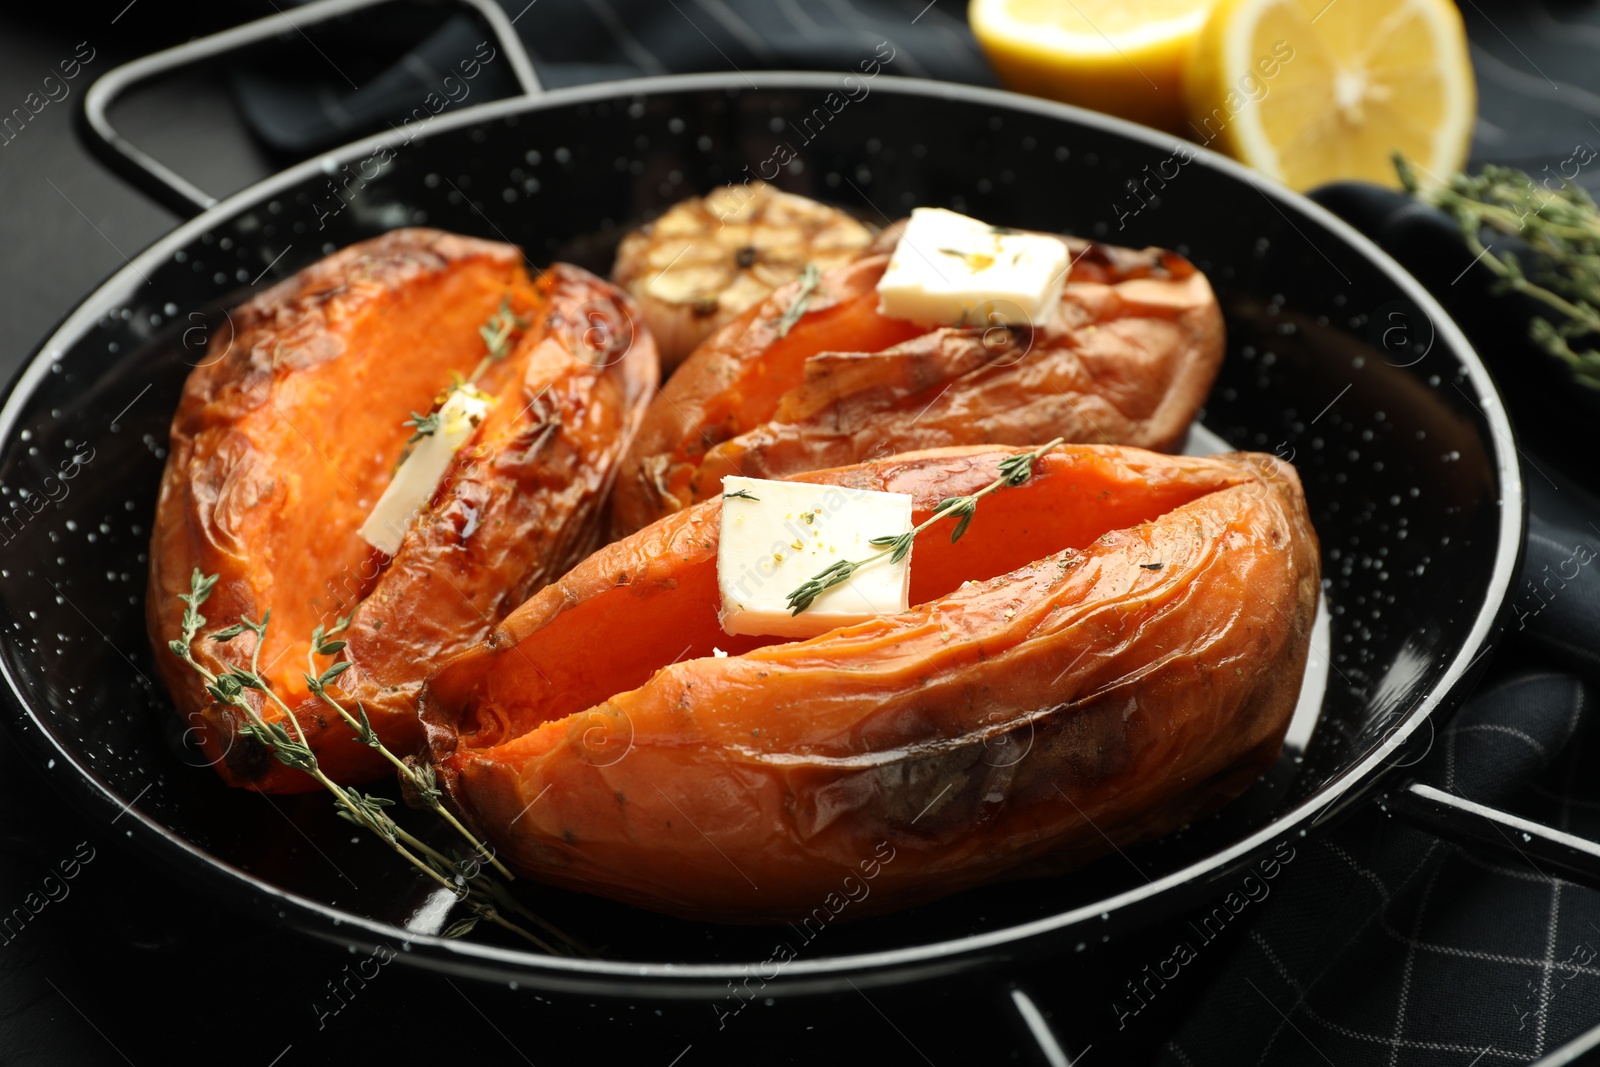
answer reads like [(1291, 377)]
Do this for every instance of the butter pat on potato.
[(952, 270), (778, 535)]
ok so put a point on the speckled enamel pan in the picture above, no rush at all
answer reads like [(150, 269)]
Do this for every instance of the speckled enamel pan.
[(1403, 446)]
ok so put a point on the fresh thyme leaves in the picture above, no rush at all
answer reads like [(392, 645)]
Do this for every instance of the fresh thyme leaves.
[(285, 739), (963, 506), (426, 426), (1562, 228), (496, 334), (802, 300), (1014, 471), (740, 494), (319, 638), (899, 544), (199, 588), (1151, 566), (424, 787), (837, 573)]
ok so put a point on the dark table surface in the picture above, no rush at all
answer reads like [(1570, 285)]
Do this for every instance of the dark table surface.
[(130, 965)]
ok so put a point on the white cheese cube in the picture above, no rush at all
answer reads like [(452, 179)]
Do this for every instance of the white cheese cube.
[(788, 533), (951, 270), (413, 484)]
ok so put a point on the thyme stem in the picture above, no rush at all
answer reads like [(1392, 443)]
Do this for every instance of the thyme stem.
[(292, 749), (1014, 470), (357, 812), (1561, 227), (425, 787), (496, 334), (392, 827), (802, 300)]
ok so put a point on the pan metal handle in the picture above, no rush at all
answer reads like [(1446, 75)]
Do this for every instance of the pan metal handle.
[(171, 189), (1466, 822)]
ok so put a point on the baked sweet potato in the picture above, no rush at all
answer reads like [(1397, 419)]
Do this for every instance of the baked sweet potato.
[(1112, 649), (1127, 358), (288, 433)]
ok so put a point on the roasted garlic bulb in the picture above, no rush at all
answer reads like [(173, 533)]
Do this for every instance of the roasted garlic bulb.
[(709, 258)]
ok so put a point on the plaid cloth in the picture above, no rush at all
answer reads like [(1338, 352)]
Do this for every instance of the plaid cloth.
[(1385, 945)]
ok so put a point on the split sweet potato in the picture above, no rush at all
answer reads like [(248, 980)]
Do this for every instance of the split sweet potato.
[(1112, 649), (1127, 358), (288, 433)]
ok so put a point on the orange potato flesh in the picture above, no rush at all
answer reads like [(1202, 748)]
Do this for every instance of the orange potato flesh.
[(737, 378), (599, 748), (1126, 357), (843, 314), (282, 446), (328, 420)]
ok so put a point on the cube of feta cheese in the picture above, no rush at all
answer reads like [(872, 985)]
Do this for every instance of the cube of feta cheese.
[(413, 484), (951, 270), (778, 535)]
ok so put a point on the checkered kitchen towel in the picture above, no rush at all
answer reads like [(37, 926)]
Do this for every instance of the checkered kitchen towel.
[(1385, 945)]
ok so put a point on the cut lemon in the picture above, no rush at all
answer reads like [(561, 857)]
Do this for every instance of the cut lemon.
[(1124, 57), (1312, 91)]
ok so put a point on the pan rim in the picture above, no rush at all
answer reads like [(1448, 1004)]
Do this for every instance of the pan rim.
[(277, 906)]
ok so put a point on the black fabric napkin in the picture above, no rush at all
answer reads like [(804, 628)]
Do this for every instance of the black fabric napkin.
[(305, 108), (1381, 943)]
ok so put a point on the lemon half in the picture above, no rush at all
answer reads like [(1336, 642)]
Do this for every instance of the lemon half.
[(1123, 57), (1311, 91)]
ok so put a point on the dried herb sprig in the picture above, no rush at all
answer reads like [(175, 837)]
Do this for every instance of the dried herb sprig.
[(802, 300), (286, 741), (1014, 470), (425, 426), (1562, 228), (421, 777), (496, 334)]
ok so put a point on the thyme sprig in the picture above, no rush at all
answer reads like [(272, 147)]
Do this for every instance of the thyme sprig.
[(740, 494), (1562, 228), (420, 776), (496, 334), (426, 426), (802, 300), (1014, 471), (496, 331), (287, 742)]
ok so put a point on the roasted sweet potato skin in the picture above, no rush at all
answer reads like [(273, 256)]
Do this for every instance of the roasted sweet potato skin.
[(1127, 358), (287, 434), (1113, 649)]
